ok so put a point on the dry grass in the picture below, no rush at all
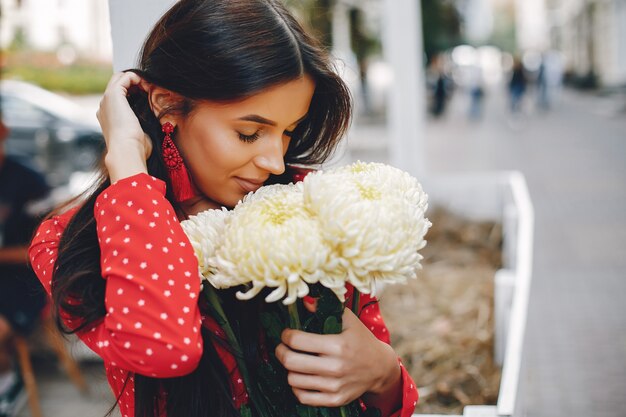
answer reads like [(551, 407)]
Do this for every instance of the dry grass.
[(441, 324)]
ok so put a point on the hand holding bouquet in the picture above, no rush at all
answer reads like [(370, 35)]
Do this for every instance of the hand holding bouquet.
[(359, 224)]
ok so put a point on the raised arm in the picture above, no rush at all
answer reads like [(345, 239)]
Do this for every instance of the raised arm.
[(152, 322)]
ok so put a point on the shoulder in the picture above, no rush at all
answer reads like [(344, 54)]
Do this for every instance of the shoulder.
[(59, 221)]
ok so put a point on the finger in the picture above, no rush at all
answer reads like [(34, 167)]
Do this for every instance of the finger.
[(144, 85), (320, 399), (314, 382), (122, 81), (321, 344), (307, 364), (137, 82), (130, 79), (115, 78), (349, 319)]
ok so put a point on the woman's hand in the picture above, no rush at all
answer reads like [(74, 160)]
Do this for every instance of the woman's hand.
[(128, 146), (333, 370)]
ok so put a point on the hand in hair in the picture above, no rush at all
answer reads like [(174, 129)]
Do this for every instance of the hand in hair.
[(128, 147), (333, 370)]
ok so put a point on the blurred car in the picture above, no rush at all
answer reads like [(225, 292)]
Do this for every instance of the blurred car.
[(49, 131)]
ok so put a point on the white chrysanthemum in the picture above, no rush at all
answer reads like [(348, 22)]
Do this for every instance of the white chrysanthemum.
[(206, 232), (391, 179), (373, 219), (272, 241)]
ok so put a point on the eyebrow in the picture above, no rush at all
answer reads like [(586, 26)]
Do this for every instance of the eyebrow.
[(259, 119)]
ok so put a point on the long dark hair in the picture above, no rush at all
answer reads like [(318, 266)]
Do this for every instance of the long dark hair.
[(218, 50)]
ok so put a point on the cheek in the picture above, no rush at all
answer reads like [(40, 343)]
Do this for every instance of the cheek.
[(215, 153)]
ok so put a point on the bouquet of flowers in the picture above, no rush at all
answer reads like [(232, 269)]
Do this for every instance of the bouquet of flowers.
[(360, 224)]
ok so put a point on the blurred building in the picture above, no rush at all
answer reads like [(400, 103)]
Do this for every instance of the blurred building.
[(69, 27), (531, 25), (478, 19), (591, 34)]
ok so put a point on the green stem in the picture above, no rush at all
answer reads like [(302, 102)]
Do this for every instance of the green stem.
[(356, 296), (294, 317), (216, 305)]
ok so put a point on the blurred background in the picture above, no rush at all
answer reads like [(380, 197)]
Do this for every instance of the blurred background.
[(441, 87)]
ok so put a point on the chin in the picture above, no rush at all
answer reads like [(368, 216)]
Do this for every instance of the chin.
[(231, 202)]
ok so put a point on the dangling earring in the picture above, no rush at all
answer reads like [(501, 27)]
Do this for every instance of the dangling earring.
[(181, 182)]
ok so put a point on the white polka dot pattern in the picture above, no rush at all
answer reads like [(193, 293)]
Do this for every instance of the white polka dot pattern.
[(152, 321)]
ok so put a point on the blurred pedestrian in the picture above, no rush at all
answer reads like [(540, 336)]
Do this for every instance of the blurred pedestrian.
[(517, 86), (549, 79), (21, 295), (543, 99), (476, 90), (440, 86)]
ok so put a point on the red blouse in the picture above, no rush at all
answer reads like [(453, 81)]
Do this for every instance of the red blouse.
[(152, 324)]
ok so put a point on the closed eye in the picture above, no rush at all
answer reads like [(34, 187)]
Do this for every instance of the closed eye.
[(249, 138)]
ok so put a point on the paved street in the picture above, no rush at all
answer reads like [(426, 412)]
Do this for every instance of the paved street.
[(574, 159), (59, 398)]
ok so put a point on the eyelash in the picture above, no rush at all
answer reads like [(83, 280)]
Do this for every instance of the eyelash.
[(251, 138)]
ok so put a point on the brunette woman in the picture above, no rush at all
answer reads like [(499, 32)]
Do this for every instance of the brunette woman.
[(229, 94)]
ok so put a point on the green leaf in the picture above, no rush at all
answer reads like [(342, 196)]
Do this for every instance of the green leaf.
[(332, 326), (325, 411), (328, 303), (305, 411), (245, 411), (273, 326)]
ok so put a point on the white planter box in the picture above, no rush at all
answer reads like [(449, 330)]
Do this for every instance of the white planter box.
[(502, 197)]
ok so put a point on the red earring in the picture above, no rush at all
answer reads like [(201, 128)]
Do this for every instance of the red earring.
[(181, 182)]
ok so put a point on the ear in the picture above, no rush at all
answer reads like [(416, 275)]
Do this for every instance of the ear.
[(160, 100)]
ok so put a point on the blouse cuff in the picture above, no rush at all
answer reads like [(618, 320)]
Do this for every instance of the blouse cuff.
[(138, 180), (409, 394)]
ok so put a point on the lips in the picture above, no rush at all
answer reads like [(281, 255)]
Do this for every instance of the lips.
[(249, 184)]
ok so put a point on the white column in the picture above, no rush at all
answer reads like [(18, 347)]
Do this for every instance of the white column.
[(531, 25), (341, 28), (342, 48), (403, 47), (130, 23)]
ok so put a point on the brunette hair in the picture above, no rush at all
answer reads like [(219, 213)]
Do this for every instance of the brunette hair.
[(218, 50)]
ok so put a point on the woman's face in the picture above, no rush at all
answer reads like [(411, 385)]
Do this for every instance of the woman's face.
[(231, 149)]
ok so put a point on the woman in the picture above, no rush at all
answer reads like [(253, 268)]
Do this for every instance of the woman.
[(228, 93)]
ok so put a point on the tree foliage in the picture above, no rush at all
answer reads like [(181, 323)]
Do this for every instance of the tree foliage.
[(441, 25), (316, 15)]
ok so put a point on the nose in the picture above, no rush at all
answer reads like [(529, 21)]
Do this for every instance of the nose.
[(271, 156)]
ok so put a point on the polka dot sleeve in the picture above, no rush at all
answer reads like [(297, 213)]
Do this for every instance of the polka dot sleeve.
[(371, 317), (152, 322), (43, 248)]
